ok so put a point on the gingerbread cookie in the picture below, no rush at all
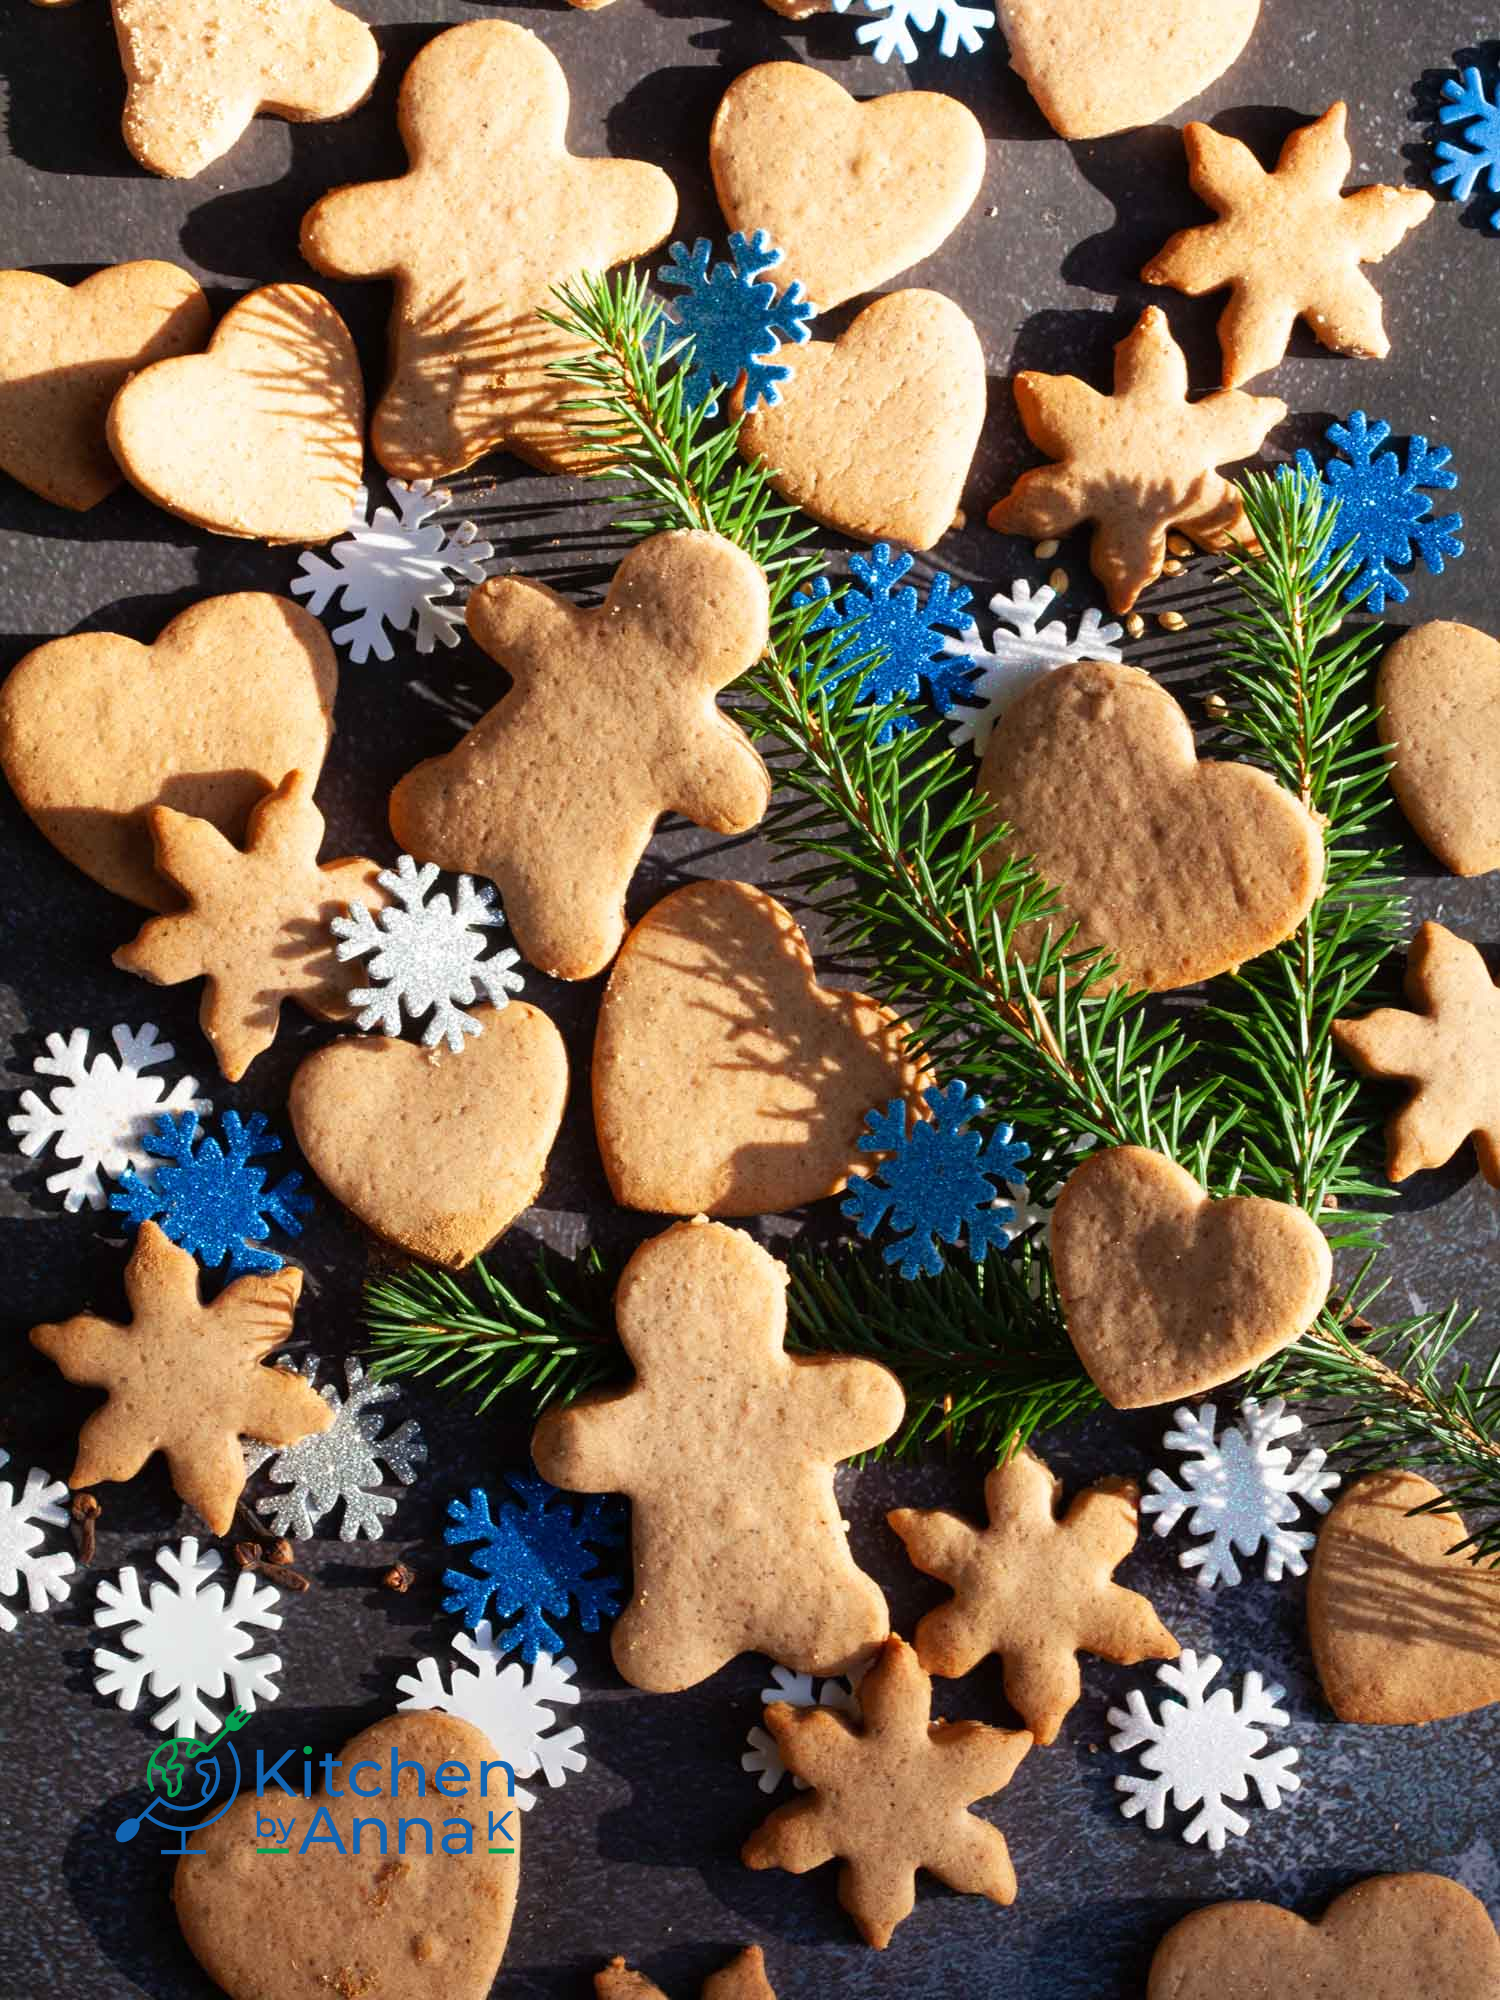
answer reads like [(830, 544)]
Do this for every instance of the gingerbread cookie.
[(1288, 244), (875, 431), (1167, 1293), (437, 1153), (260, 437), (714, 1001), (851, 194), (363, 1910), (609, 723), (198, 71), (485, 106), (255, 929), (1035, 1587), (726, 1445), (66, 350), (744, 1978), (890, 1796), (1100, 66), (1387, 1938), (186, 1379), (1437, 699), (1181, 870), (236, 692), (1403, 1626), (1448, 1049), (1136, 463)]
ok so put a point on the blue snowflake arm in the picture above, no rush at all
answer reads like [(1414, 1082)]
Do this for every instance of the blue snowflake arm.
[(1385, 518), (535, 1562), (895, 642), (212, 1199), (1462, 169), (734, 318)]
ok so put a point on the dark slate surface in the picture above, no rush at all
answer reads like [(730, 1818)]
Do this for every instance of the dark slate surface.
[(638, 1854)]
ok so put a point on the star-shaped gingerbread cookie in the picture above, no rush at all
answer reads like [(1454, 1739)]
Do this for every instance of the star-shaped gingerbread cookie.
[(256, 924), (1035, 1587), (492, 214), (1448, 1050), (1136, 463), (185, 1378), (1288, 244), (890, 1796), (744, 1978), (726, 1445)]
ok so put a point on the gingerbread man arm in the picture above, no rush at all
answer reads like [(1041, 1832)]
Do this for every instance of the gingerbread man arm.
[(845, 1405), (590, 1446), (724, 785), (522, 625)]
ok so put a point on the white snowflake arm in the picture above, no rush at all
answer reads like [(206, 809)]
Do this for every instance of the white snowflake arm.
[(763, 1760)]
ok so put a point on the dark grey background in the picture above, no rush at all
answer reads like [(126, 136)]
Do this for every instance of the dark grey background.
[(638, 1854)]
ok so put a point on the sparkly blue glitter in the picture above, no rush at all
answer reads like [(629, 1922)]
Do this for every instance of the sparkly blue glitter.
[(1476, 163), (213, 1199), (1382, 509), (912, 636), (735, 319), (536, 1560)]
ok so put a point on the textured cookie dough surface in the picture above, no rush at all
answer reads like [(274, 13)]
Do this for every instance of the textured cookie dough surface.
[(94, 729), (67, 350), (714, 1004), (1167, 1293), (744, 1978), (1438, 699)]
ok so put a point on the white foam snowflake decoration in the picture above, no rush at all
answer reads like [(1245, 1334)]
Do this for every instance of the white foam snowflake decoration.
[(762, 1758), (962, 26), (24, 1517), (1204, 1750), (1243, 1489), (425, 955), (1020, 655), (509, 1702), (394, 568), (102, 1110), (186, 1640), (342, 1463)]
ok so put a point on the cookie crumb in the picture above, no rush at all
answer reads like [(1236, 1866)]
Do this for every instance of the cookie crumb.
[(1171, 621), (1059, 581), (1135, 625), (398, 1578), (1046, 550), (1216, 706), (1171, 567), (1179, 545)]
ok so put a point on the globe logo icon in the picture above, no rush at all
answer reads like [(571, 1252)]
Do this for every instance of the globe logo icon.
[(192, 1783)]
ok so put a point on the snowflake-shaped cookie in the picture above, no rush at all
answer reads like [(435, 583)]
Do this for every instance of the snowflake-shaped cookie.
[(24, 1517), (873, 616), (538, 1559), (962, 26), (186, 1640), (938, 1181), (1476, 162), (762, 1758), (1203, 1750), (1382, 508), (213, 1199), (99, 1114), (341, 1464), (1242, 1489), (1020, 655), (735, 319), (425, 955), (509, 1703), (394, 569)]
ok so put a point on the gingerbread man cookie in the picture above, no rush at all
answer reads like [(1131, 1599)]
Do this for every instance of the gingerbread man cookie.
[(1035, 1586), (726, 1445), (610, 722), (185, 1378), (1137, 462), (493, 213)]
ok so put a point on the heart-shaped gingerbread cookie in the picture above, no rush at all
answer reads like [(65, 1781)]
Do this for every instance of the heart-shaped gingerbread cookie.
[(1180, 870), (1438, 695), (875, 431), (437, 1153), (1390, 1938), (1100, 66), (236, 692), (1401, 1630), (851, 194), (262, 436), (363, 1908), (65, 352), (1167, 1293), (714, 1003)]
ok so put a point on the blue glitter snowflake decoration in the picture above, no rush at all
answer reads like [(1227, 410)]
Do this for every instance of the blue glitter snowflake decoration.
[(537, 1560), (1476, 163), (1382, 508), (937, 1181), (213, 1199), (735, 319), (912, 636)]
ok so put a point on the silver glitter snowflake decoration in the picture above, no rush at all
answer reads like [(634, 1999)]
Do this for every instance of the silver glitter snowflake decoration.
[(425, 955), (341, 1464)]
